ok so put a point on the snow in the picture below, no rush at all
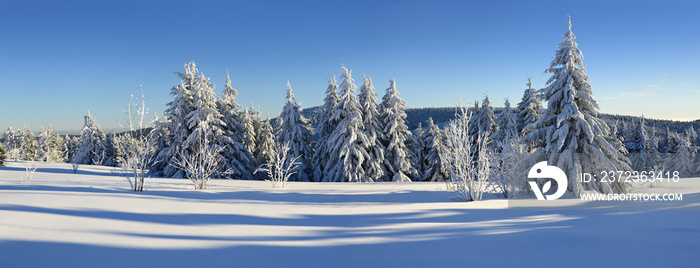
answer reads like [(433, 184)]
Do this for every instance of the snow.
[(61, 219)]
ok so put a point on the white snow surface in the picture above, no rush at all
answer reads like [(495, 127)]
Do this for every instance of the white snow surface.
[(91, 219)]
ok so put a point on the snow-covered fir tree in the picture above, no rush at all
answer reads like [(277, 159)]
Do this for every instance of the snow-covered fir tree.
[(435, 142), (507, 126), (486, 119), (347, 143), (70, 147), (295, 131), (10, 140), (171, 130), (3, 154), (669, 144), (91, 150), (683, 159), (529, 107), (238, 160), (418, 150), (204, 121), (28, 145), (265, 148), (397, 157), (569, 134), (109, 156), (374, 165), (50, 146), (249, 123), (640, 153), (325, 128)]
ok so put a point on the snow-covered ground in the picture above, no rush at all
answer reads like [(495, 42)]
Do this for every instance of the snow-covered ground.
[(91, 219)]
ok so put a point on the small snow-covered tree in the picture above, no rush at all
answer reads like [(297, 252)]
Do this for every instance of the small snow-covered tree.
[(70, 147), (683, 159), (3, 154), (640, 153), (569, 134), (10, 140), (374, 166), (265, 149), (486, 119), (281, 167), (435, 142), (347, 143), (236, 156), (109, 154), (418, 151), (249, 123), (325, 128), (397, 157), (92, 141), (28, 145), (507, 126), (50, 146), (529, 107), (295, 132)]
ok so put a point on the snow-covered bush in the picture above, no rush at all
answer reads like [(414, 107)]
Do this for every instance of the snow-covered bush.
[(468, 174), (30, 167), (134, 145), (508, 173), (280, 169), (200, 165)]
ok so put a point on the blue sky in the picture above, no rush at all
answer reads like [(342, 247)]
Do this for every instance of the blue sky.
[(60, 59)]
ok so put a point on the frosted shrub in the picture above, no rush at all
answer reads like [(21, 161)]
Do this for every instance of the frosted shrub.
[(279, 169), (30, 168), (134, 145), (200, 165), (468, 175)]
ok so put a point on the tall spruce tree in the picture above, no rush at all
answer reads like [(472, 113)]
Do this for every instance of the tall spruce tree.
[(436, 147), (238, 159), (374, 166), (172, 130), (295, 131), (397, 157), (204, 122), (347, 143), (265, 149), (569, 134), (325, 127)]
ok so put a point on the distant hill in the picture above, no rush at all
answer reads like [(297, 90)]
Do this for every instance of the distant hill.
[(442, 115)]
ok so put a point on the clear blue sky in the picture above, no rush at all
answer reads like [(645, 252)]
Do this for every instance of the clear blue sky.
[(59, 59)]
